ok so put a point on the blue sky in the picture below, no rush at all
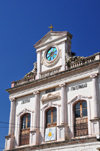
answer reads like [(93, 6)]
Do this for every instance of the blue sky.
[(24, 22)]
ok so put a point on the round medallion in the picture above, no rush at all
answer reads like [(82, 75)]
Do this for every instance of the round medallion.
[(51, 54)]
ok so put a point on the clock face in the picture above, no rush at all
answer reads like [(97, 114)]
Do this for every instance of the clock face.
[(51, 54)]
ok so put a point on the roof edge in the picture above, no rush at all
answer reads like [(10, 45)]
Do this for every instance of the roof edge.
[(50, 33)]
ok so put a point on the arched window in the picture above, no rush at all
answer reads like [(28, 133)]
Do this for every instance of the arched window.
[(51, 117), (80, 118), (25, 129)]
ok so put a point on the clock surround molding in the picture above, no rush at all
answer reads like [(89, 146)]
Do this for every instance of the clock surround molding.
[(55, 60)]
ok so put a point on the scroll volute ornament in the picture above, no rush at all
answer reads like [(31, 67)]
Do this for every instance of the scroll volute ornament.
[(50, 96)]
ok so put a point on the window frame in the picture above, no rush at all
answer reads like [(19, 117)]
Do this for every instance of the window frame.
[(25, 132), (80, 109), (81, 122), (52, 123), (26, 121)]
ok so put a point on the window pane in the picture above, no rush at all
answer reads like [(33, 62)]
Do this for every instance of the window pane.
[(48, 115), (24, 122), (84, 104), (84, 112), (77, 106), (77, 113), (28, 123), (54, 115)]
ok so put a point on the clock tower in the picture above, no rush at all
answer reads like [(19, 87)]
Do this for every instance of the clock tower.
[(53, 50)]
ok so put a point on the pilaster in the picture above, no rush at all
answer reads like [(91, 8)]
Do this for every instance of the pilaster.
[(35, 130), (62, 129), (58, 115), (89, 117), (32, 120), (38, 64), (36, 110), (94, 87), (63, 57), (9, 144), (12, 117), (95, 122), (63, 103)]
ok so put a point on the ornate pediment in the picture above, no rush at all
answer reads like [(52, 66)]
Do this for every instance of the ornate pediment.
[(51, 37), (24, 111), (79, 97)]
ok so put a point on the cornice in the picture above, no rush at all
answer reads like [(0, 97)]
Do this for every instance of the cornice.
[(12, 99), (54, 77), (93, 75)]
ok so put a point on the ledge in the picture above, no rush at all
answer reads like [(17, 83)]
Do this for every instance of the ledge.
[(56, 144), (95, 119), (7, 137)]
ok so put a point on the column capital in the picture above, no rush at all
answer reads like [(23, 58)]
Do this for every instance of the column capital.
[(94, 75), (62, 84), (36, 92), (12, 99)]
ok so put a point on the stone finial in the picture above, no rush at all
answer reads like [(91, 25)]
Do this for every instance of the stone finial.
[(12, 84)]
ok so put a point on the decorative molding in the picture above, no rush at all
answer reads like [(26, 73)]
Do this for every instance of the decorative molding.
[(50, 104), (62, 125), (7, 137), (12, 99), (25, 111), (44, 107), (50, 72), (50, 96), (62, 84), (53, 62), (34, 131), (79, 97), (94, 75), (95, 119), (59, 105), (77, 61), (59, 37), (36, 92)]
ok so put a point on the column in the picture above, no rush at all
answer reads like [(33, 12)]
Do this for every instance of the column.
[(63, 56), (58, 115), (89, 117), (63, 104), (94, 84), (36, 120), (36, 110), (32, 128), (10, 138), (38, 64), (12, 117), (32, 122)]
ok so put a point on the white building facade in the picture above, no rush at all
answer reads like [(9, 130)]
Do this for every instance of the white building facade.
[(56, 106)]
